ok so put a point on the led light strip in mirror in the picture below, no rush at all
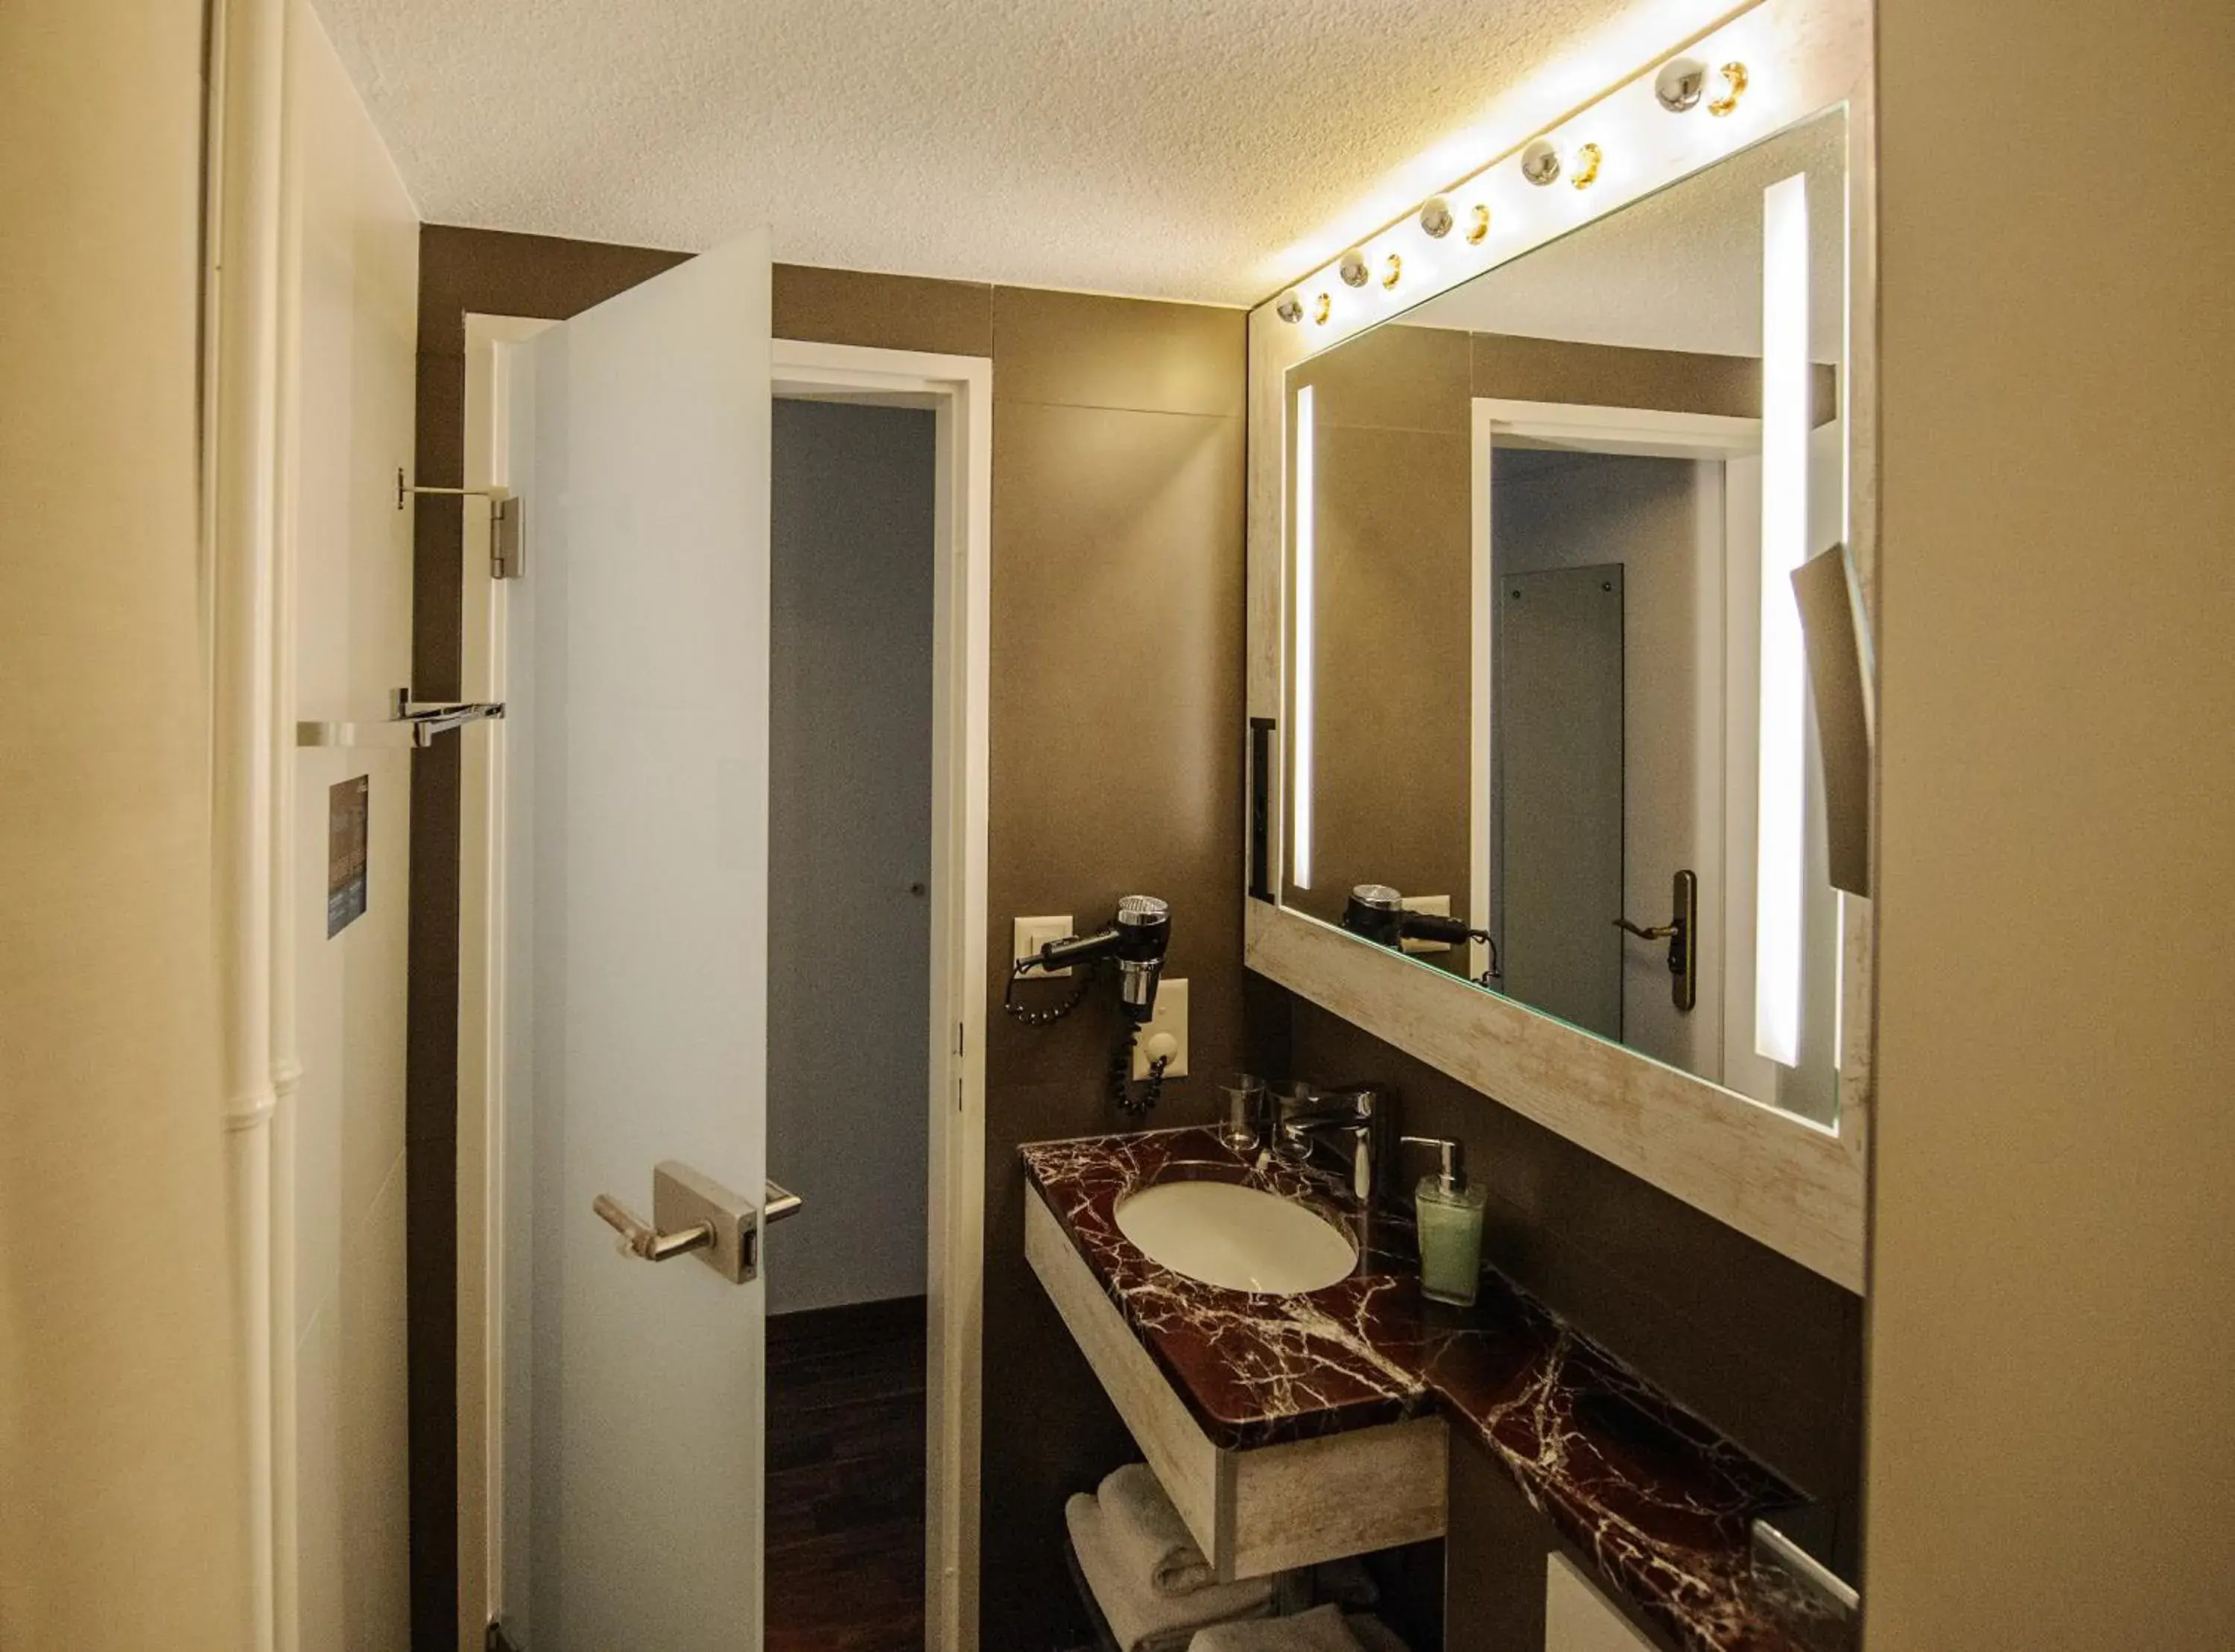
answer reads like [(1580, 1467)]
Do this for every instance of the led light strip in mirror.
[(1783, 696), (1306, 645)]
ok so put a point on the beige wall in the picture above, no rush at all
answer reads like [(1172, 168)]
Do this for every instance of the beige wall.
[(122, 1522), (359, 259), (2051, 1439)]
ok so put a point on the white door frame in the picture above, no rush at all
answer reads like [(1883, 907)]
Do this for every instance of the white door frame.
[(958, 390), (1580, 427)]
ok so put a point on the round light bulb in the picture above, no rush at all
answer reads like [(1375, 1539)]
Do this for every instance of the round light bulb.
[(1540, 162), (1679, 84)]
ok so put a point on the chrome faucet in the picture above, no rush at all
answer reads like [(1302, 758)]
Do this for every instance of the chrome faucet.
[(1355, 1123)]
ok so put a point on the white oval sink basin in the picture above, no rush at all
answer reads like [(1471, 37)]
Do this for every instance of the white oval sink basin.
[(1242, 1237)]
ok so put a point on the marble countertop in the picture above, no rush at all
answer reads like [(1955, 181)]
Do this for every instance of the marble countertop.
[(1657, 1499)]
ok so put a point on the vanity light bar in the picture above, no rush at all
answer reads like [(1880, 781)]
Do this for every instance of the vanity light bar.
[(1724, 89)]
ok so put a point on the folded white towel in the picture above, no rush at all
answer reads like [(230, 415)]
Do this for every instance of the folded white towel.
[(1146, 1531), (1143, 1620), (1321, 1629)]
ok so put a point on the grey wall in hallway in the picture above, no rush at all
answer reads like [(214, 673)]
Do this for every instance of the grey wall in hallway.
[(849, 849)]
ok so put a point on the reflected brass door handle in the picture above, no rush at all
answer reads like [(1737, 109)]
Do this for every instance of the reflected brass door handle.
[(1658, 932), (1681, 931)]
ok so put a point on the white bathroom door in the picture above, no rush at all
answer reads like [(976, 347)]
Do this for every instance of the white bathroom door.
[(634, 900)]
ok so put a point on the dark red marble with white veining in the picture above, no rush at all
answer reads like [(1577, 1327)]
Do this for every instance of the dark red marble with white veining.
[(1654, 1497)]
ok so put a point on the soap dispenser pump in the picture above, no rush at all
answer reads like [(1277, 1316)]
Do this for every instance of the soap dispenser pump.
[(1448, 1212)]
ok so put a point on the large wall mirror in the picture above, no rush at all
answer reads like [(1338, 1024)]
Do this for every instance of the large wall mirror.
[(1530, 533), (1574, 674)]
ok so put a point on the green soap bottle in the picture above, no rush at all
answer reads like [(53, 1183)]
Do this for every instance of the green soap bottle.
[(1450, 1216)]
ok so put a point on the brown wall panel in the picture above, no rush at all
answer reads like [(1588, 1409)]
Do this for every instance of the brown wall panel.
[(882, 311), (1394, 628), (1080, 350), (1494, 1590), (1394, 378), (1116, 768), (1556, 370)]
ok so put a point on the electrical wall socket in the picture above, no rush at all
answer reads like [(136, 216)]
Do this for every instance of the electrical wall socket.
[(1171, 1017), (1033, 933), (1440, 906)]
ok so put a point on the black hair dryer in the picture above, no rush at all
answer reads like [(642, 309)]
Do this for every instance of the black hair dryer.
[(1136, 940)]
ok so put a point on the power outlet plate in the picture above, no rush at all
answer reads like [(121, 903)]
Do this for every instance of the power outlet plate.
[(1440, 906), (1033, 933), (1171, 1017)]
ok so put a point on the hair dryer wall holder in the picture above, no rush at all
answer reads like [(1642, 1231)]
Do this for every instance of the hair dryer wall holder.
[(1133, 944)]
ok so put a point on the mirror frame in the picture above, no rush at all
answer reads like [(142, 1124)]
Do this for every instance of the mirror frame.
[(1795, 1186)]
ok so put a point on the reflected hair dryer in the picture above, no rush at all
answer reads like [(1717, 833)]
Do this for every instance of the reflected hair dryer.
[(1379, 913), (1136, 939)]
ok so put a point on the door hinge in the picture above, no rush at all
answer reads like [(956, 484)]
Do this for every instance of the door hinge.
[(507, 522), (508, 538), (957, 1038)]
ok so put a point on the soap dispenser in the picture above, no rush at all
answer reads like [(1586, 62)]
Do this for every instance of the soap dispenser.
[(1448, 1212)]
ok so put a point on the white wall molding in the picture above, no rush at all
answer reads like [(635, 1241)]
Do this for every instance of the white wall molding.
[(246, 149)]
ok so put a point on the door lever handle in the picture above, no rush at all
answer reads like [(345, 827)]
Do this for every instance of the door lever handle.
[(1658, 932), (693, 1214), (1681, 931), (647, 1241)]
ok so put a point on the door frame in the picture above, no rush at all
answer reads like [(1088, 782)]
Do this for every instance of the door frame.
[(958, 390), (1583, 427)]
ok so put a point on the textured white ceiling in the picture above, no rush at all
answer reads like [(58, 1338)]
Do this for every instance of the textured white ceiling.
[(1204, 149), (1681, 269)]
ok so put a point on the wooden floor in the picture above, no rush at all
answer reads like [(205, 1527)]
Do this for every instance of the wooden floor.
[(846, 1479)]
